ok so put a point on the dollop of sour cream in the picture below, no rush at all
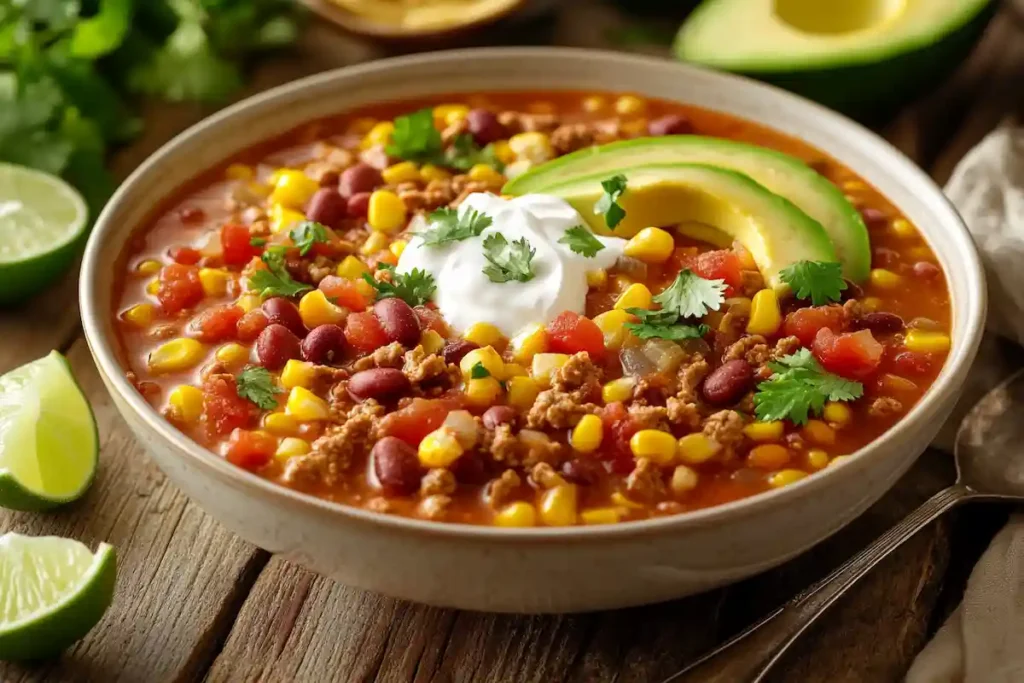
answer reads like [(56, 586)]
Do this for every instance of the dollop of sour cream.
[(465, 295)]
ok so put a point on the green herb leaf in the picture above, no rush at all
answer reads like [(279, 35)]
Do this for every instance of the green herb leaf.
[(447, 226), (608, 204), (478, 371), (581, 241), (691, 296), (414, 288), (819, 281), (257, 241), (415, 138), (308, 233), (663, 325), (103, 32), (508, 261), (800, 386), (256, 384), (276, 281), (464, 154)]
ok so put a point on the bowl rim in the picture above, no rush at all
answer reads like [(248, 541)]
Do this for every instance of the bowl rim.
[(973, 310)]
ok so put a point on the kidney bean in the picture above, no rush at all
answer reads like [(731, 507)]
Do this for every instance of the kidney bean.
[(484, 126), (397, 468), (852, 291), (471, 468), (330, 179), (671, 124), (582, 471), (873, 218), (327, 206), (359, 178), (499, 415), (926, 270), (398, 321), (880, 322), (883, 257), (275, 346), (358, 205), (378, 383), (280, 311), (728, 382), (455, 349), (324, 344)]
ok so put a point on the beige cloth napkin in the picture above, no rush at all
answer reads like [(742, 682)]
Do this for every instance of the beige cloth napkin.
[(983, 640)]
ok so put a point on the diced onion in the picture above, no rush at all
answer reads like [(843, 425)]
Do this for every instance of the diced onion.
[(631, 267), (665, 355), (464, 427), (635, 362)]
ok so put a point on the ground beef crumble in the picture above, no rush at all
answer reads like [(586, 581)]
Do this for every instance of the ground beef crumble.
[(544, 476), (501, 490), (422, 367), (512, 450), (649, 417), (340, 447), (645, 482), (438, 481), (684, 414), (390, 356), (435, 507), (555, 409), (578, 374), (885, 407), (726, 428), (690, 375)]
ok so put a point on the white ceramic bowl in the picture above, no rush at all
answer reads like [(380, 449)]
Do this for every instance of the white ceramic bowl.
[(533, 570)]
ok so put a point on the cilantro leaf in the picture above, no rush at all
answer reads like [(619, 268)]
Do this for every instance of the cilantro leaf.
[(275, 280), (415, 138), (508, 261), (256, 384), (691, 296), (819, 281), (464, 154), (257, 241), (663, 325), (581, 241), (478, 371), (608, 204), (102, 32), (414, 288), (308, 233), (800, 386), (448, 226)]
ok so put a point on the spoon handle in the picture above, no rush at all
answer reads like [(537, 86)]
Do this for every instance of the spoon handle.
[(747, 657)]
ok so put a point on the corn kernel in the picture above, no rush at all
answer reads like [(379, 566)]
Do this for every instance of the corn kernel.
[(504, 152), (297, 373), (884, 279), (871, 303), (684, 479), (903, 228), (306, 406), (447, 114), (620, 499), (439, 448), (785, 478), (361, 126), (609, 515), (586, 435), (597, 279), (232, 354), (398, 248), (148, 267), (431, 341), (176, 355), (530, 341), (558, 505), (594, 104), (291, 447), (282, 219), (239, 172), (248, 302), (522, 392), (654, 444), (630, 105), (316, 310), (894, 384), (366, 289), (351, 268), (141, 315), (485, 356), (617, 390), (186, 403), (153, 286), (836, 414), (533, 147), (482, 334), (817, 458), (402, 172), (293, 189), (386, 212), (764, 432), (518, 514), (924, 341), (612, 325), (839, 460), (214, 281), (485, 174), (636, 296), (694, 449), (281, 424), (377, 241), (650, 245), (765, 316), (515, 370), (544, 364), (430, 173), (921, 254), (819, 433), (380, 134), (483, 391), (769, 456)]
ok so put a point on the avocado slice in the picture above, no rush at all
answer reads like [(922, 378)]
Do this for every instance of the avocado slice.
[(861, 57), (780, 173), (774, 231)]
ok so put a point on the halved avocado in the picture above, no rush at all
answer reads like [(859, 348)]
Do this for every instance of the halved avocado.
[(780, 173), (774, 231)]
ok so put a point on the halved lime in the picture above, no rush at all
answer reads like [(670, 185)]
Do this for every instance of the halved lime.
[(48, 438), (52, 592), (41, 221)]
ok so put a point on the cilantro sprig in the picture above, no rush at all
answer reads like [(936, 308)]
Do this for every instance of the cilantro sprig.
[(478, 371), (819, 281), (691, 296), (663, 324), (414, 288), (415, 138), (464, 154), (608, 204), (308, 233), (256, 384), (800, 386), (581, 241), (508, 262), (275, 280), (447, 226)]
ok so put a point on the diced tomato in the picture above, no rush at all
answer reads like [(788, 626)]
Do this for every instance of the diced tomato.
[(251, 324), (217, 324), (571, 333), (179, 288), (619, 428), (431, 319), (345, 292), (363, 332), (185, 255), (854, 355), (723, 264), (223, 409), (250, 450), (416, 420), (913, 363), (804, 323), (235, 243)]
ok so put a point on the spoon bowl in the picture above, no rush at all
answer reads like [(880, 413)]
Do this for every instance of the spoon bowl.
[(989, 454)]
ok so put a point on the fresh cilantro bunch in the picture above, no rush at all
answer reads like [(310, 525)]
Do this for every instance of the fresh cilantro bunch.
[(415, 138), (820, 281), (800, 386)]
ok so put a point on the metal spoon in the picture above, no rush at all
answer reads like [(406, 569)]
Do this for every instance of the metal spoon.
[(989, 465)]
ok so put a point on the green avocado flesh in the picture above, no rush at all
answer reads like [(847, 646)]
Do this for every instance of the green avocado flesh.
[(779, 173), (774, 231)]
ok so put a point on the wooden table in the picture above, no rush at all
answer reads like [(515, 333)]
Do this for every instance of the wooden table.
[(196, 603)]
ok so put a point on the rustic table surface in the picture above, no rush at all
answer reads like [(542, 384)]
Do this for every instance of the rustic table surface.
[(196, 603)]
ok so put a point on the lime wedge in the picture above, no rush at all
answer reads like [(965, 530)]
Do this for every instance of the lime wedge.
[(52, 592), (42, 219), (48, 437)]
